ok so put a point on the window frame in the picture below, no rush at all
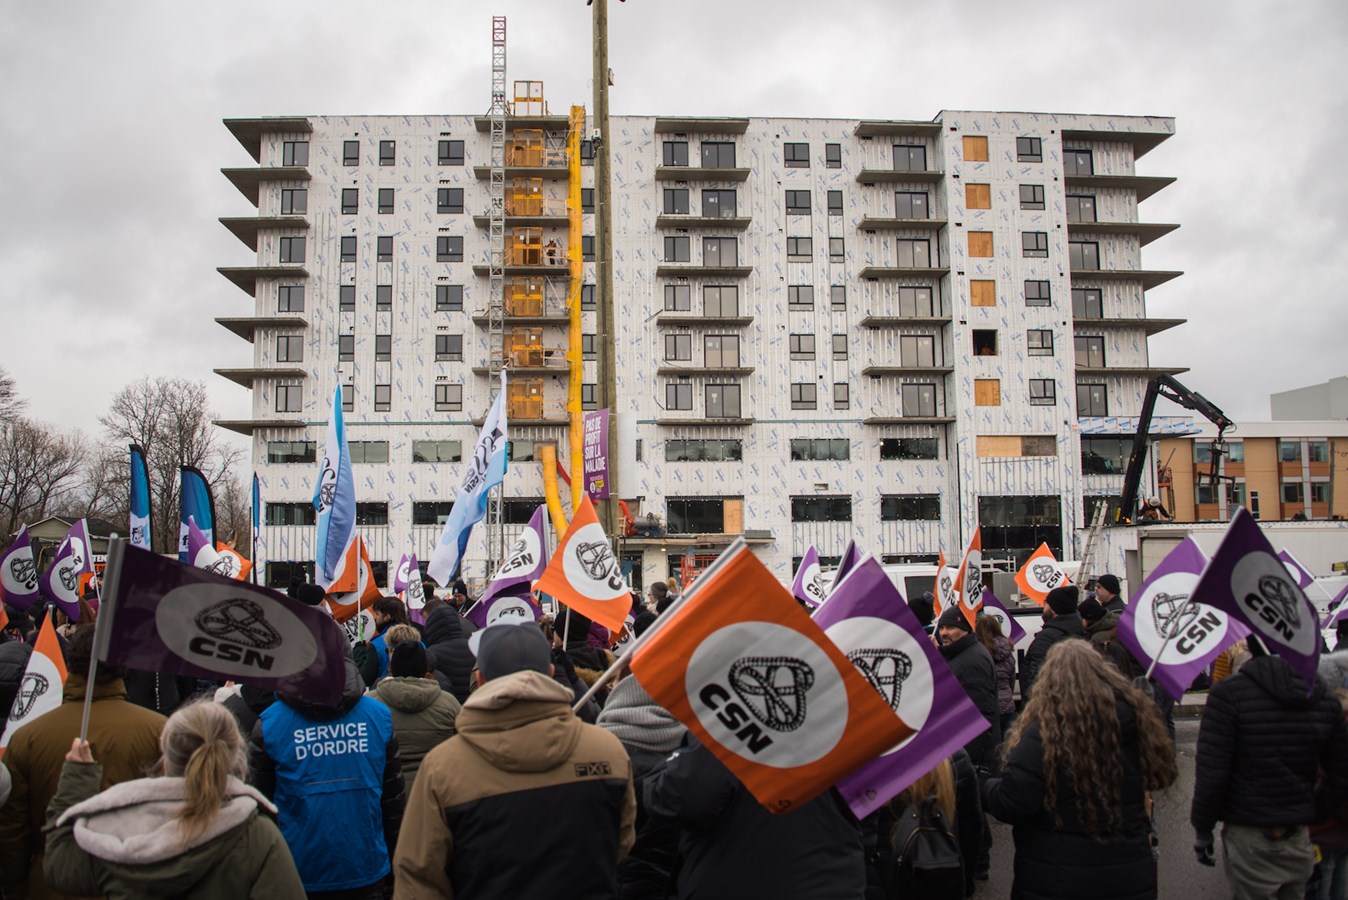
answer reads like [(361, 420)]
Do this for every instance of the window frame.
[(448, 397), (796, 154), (445, 152), (444, 348), (1029, 149)]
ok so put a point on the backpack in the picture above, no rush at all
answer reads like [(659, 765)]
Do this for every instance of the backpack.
[(927, 854)]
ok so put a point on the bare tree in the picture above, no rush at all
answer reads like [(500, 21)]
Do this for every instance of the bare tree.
[(39, 471), (171, 421), (11, 404), (105, 490), (234, 514)]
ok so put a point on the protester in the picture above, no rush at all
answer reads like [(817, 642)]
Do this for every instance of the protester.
[(924, 607), (196, 831), (444, 637), (973, 667), (1271, 756), (335, 776), (1080, 760), (989, 632), (525, 800), (461, 603), (659, 595), (124, 736), (1329, 833), (1061, 622), (673, 590), (423, 714), (13, 661), (1107, 590), (246, 703), (590, 661), (158, 691), (953, 784), (387, 612)]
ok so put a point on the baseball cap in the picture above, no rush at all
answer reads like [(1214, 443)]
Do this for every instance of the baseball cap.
[(506, 648)]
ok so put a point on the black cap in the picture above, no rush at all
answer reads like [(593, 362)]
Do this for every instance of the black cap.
[(1109, 583), (1091, 610), (409, 660), (952, 617), (1063, 600), (506, 649)]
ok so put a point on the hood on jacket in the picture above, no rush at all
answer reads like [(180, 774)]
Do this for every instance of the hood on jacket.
[(1276, 678), (1109, 622), (407, 694), (442, 625), (352, 690), (521, 722), (955, 648), (1068, 624), (638, 721)]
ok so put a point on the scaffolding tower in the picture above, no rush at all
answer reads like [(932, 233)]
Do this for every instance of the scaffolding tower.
[(496, 350)]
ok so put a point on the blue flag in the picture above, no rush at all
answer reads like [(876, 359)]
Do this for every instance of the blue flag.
[(198, 504), (140, 501), (257, 506), (334, 498)]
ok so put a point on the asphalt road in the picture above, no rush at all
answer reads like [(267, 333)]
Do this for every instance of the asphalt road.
[(1181, 875)]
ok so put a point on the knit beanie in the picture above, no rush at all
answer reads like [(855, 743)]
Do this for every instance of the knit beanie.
[(1091, 610), (954, 618), (1063, 600), (636, 720)]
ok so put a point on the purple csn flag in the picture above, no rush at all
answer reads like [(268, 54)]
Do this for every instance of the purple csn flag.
[(162, 616), (809, 587), (1337, 609), (18, 572), (995, 608), (140, 500), (197, 503), (74, 557), (400, 576), (523, 565), (334, 498), (851, 556), (867, 618), (1245, 578), (1298, 571), (407, 581), (202, 554), (1165, 608)]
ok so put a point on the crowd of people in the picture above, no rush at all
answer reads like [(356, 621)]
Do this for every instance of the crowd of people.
[(453, 765)]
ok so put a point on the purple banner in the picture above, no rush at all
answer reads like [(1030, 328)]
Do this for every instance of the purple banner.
[(523, 565), (18, 572), (595, 446), (808, 586), (1246, 579), (997, 609), (1303, 575), (163, 616), (851, 556), (61, 582), (1336, 610), (867, 618)]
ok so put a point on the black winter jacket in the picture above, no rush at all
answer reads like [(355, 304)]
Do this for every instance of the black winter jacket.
[(977, 674), (13, 661), (1058, 628), (1260, 744), (1063, 862), (733, 848), (249, 703), (443, 636)]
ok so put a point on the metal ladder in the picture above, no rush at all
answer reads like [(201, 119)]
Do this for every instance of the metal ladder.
[(1085, 572)]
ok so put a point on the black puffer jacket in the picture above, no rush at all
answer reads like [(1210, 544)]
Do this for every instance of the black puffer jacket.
[(1260, 745), (13, 661), (249, 703), (1063, 862), (443, 636), (977, 674), (1058, 628)]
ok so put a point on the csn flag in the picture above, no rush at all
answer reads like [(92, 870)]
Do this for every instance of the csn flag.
[(198, 504), (162, 616), (18, 572), (61, 582), (1297, 569), (808, 586), (583, 573), (1165, 624), (755, 679), (1040, 574), (220, 558), (334, 498), (354, 588), (1248, 581), (523, 565), (407, 582), (944, 594), (969, 581), (995, 608), (40, 688), (140, 535), (851, 556), (868, 620), (486, 469)]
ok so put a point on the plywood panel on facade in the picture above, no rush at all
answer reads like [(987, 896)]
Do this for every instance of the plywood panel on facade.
[(982, 292), (994, 445), (980, 243), (987, 392), (978, 196), (975, 148), (733, 515)]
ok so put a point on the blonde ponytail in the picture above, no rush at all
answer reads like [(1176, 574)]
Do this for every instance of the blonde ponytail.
[(202, 744)]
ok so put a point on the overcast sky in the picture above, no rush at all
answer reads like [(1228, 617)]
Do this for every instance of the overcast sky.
[(112, 143)]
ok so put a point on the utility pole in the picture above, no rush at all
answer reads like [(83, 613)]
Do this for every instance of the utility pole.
[(603, 255)]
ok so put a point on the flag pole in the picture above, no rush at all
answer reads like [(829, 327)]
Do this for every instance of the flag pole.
[(1171, 634), (107, 608)]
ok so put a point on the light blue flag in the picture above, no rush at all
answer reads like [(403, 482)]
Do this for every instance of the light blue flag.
[(334, 498), (198, 504), (486, 469), (140, 501)]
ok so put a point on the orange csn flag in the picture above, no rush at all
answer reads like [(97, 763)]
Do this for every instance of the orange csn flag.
[(1040, 574), (233, 564), (354, 587), (744, 667), (583, 573), (969, 581), (944, 594), (40, 688)]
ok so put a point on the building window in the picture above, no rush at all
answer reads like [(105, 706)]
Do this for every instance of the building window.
[(985, 341), (718, 154), (835, 203), (349, 396), (676, 201), (720, 301), (1087, 303), (291, 451), (675, 153), (1292, 492), (587, 200), (289, 398), (709, 450), (449, 347), (371, 513), (290, 348), (678, 347), (720, 251), (449, 398), (1029, 149), (351, 153), (910, 158), (346, 347), (1034, 244), (449, 201), (588, 350), (587, 153), (449, 298), (383, 248), (388, 153), (820, 449), (385, 201), (918, 400), (1043, 392), (1105, 455), (799, 249), (383, 297), (350, 201), (720, 203), (804, 395), (523, 451), (437, 451), (980, 244), (1317, 451), (1039, 342), (796, 155), (1080, 208), (678, 298), (1090, 352), (1077, 162), (292, 250), (840, 347), (290, 298), (678, 248), (449, 153), (982, 292), (346, 297), (449, 248), (975, 148), (912, 253), (721, 351), (1289, 451), (978, 196), (1031, 196), (290, 513), (695, 515), (837, 250), (1037, 293), (1092, 400), (723, 401), (587, 247), (987, 392), (431, 512), (911, 205), (797, 203), (837, 297), (910, 508), (383, 347), (842, 395), (368, 451), (917, 350), (833, 156), (910, 448), (589, 396), (1319, 491), (821, 509), (800, 297), (801, 346), (383, 398), (295, 153), (678, 395), (916, 302), (1083, 254), (587, 300), (294, 201), (348, 248)]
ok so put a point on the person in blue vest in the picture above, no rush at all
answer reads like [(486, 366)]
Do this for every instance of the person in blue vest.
[(387, 612), (335, 776)]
